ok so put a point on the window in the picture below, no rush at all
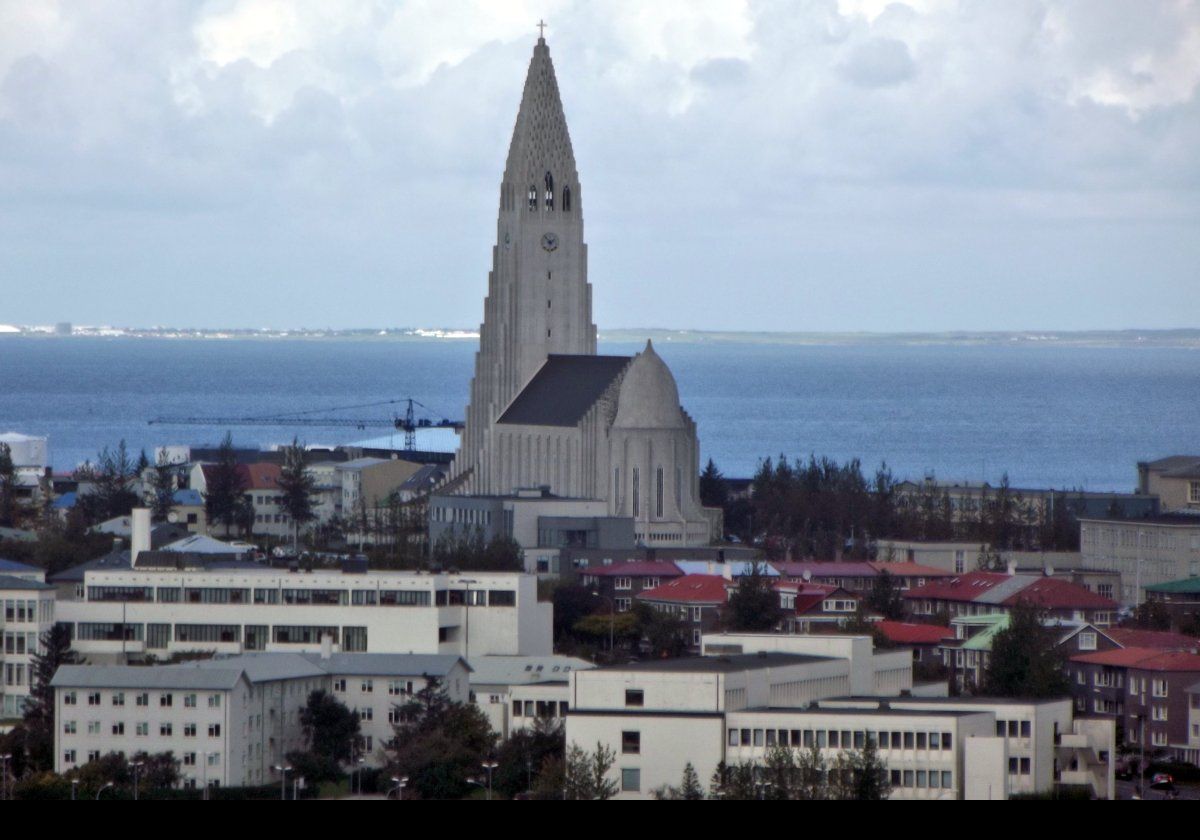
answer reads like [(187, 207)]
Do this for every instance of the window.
[(118, 728), (165, 730), (214, 730), (189, 701), (566, 200), (367, 686), (1087, 641), (143, 729), (532, 196), (94, 698), (165, 699), (635, 697), (189, 730), (631, 743), (118, 698), (631, 780), (339, 685)]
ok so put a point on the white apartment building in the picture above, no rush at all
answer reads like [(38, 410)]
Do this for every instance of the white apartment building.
[(514, 691), (26, 614), (732, 706), (233, 720), (134, 613)]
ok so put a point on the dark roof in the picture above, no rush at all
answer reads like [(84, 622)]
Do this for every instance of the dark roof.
[(563, 390), (719, 664), (115, 559), (10, 582), (7, 566)]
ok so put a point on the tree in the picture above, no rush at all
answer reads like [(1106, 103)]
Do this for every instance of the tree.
[(1151, 615), (862, 774), (225, 488), (665, 634), (54, 651), (689, 786), (526, 755), (886, 597), (470, 551), (733, 781), (164, 479), (586, 775), (331, 733), (1025, 661), (298, 487), (753, 606), (112, 478), (439, 743), (714, 490), (8, 485)]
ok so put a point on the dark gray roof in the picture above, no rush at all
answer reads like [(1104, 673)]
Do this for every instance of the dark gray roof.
[(720, 664), (258, 667), (13, 566), (386, 664), (563, 390), (135, 676), (116, 559), (10, 582)]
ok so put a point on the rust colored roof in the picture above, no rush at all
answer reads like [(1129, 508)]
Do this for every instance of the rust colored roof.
[(690, 589), (1128, 637), (908, 633), (1144, 659)]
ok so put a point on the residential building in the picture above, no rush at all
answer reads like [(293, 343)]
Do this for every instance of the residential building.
[(621, 583), (1143, 552), (516, 691), (1174, 480), (924, 640), (978, 593), (26, 615), (1180, 598), (696, 600), (860, 575)]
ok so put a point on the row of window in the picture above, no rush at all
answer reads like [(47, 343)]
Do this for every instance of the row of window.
[(166, 699), (141, 728), (840, 739)]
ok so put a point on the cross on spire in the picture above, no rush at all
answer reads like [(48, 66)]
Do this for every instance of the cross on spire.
[(541, 29)]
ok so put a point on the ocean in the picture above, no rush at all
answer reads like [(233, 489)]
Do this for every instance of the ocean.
[(1049, 416)]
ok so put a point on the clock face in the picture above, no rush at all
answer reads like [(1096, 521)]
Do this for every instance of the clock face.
[(549, 241)]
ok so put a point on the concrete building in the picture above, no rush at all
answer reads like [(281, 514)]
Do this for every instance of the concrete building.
[(516, 691), (1143, 552), (233, 720), (1174, 480), (26, 614), (545, 410), (752, 693)]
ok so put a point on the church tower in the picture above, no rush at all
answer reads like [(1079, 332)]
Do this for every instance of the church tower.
[(539, 301)]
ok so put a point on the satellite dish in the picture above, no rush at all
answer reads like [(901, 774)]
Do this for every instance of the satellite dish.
[(807, 575), (1049, 571), (172, 517)]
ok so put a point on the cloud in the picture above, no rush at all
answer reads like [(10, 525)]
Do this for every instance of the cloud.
[(837, 162)]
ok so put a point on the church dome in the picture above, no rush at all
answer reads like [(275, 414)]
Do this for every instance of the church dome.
[(649, 398)]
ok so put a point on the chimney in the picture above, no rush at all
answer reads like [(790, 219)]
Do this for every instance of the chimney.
[(727, 571), (326, 646), (140, 533), (1012, 566)]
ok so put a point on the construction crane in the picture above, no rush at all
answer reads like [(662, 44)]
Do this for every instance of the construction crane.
[(408, 423)]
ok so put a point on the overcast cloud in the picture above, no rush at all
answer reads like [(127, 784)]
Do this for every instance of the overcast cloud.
[(820, 165)]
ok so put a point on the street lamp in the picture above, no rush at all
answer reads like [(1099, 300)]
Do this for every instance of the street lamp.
[(489, 766), (359, 769), (398, 784), (103, 788), (74, 787), (136, 766), (283, 771), (4, 759)]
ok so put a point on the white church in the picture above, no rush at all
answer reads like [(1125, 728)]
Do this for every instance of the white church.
[(549, 420)]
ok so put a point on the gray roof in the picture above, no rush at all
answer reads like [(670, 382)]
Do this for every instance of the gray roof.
[(136, 676), (563, 390), (10, 582), (386, 664), (115, 559), (13, 566), (720, 664), (258, 667), (524, 670)]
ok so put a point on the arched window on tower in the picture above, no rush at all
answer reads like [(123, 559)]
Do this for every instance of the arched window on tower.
[(549, 191), (532, 196), (567, 199)]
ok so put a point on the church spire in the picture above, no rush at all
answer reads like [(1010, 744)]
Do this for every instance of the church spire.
[(540, 143)]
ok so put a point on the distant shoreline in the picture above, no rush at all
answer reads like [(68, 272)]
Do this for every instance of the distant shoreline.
[(1177, 338)]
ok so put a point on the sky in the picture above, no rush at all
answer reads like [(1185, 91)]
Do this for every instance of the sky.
[(790, 165)]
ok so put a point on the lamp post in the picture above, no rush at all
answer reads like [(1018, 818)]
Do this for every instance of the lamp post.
[(489, 766), (4, 759), (74, 787), (398, 784), (467, 618), (103, 788), (136, 766), (283, 771), (359, 769)]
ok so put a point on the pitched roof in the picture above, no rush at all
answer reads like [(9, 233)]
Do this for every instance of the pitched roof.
[(825, 569), (1186, 586), (138, 676), (1144, 659), (905, 569), (1008, 590), (634, 568), (258, 667), (9, 582), (690, 589), (260, 475), (1128, 637), (563, 390), (908, 633), (7, 566), (387, 664), (524, 670)]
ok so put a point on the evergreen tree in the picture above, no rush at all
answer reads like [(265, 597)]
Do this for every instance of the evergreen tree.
[(226, 486), (587, 773), (753, 605), (714, 491), (863, 774), (526, 754), (8, 485), (54, 650), (164, 479), (113, 478), (886, 597), (298, 487), (1025, 661), (331, 734)]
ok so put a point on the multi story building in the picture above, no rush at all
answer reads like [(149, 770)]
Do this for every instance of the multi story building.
[(978, 593), (134, 613), (1144, 552), (696, 600), (860, 576), (233, 720), (623, 582), (1174, 480), (1180, 598), (1145, 690), (749, 695), (516, 691), (26, 614)]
